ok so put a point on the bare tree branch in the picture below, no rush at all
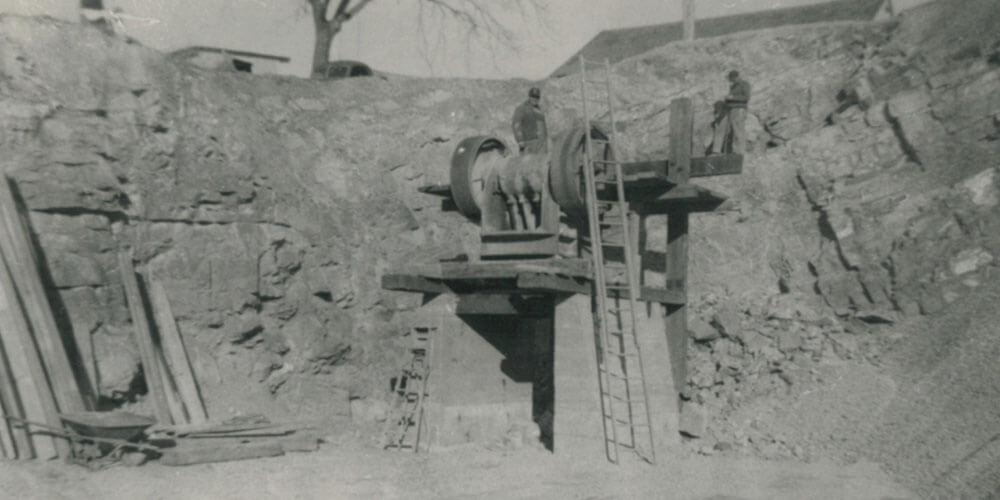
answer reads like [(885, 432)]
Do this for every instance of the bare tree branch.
[(478, 17)]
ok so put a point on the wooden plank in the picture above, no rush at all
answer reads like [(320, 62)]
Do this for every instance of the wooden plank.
[(681, 135), (13, 438), (663, 296), (176, 355), (36, 398), (85, 348), (552, 283), (177, 413), (15, 243), (502, 269), (210, 453), (143, 338), (412, 283), (8, 450), (676, 280), (724, 164)]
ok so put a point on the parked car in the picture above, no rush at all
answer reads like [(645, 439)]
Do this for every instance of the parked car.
[(342, 69)]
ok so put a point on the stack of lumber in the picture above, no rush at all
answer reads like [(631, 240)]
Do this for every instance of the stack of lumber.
[(37, 379), (43, 381), (166, 367)]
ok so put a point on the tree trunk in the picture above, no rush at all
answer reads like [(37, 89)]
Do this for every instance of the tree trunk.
[(324, 37)]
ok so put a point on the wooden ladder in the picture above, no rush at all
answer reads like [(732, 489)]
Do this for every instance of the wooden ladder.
[(405, 424), (624, 403)]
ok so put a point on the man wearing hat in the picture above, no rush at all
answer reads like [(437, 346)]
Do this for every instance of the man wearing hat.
[(529, 124), (736, 116)]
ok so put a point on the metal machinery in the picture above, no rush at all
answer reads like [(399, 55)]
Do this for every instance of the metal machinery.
[(565, 223)]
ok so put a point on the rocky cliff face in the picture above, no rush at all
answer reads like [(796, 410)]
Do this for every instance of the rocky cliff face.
[(268, 207)]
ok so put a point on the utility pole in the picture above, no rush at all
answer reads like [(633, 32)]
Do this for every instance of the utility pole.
[(688, 19)]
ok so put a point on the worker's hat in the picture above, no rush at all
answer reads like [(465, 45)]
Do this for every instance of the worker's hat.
[(535, 92)]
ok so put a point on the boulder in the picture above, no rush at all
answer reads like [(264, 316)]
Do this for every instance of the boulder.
[(969, 260), (701, 330), (693, 420), (728, 324), (789, 340)]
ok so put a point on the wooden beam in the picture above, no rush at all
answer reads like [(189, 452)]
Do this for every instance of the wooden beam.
[(176, 355), (412, 283), (676, 281), (662, 295), (144, 338), (502, 269), (13, 438), (689, 17), (18, 251), (36, 398), (681, 136), (723, 164), (541, 282), (177, 413), (210, 452)]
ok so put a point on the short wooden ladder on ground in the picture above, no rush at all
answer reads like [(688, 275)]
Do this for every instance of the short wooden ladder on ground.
[(625, 405), (405, 423)]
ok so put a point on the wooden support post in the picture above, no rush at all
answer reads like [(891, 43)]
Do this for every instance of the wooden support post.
[(23, 266), (36, 398), (689, 16), (176, 356), (681, 137), (676, 276), (144, 338), (681, 133)]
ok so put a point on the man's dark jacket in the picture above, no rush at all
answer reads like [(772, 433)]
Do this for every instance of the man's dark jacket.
[(739, 94), (529, 123)]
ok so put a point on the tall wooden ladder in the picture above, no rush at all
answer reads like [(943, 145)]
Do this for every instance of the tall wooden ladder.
[(624, 403), (405, 423)]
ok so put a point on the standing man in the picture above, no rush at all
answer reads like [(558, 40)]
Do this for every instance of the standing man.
[(736, 116), (530, 131)]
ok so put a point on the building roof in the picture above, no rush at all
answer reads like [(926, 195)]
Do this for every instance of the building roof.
[(190, 51), (616, 45)]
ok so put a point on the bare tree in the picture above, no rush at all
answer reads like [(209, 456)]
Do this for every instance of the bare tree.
[(478, 17)]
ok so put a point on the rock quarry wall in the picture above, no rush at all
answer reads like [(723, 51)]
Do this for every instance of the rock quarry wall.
[(269, 206)]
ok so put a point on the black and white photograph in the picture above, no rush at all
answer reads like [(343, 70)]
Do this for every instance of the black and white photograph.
[(500, 249)]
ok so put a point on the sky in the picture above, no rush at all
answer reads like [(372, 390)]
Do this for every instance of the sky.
[(393, 35)]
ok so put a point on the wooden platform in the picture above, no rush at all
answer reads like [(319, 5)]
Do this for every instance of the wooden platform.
[(538, 276)]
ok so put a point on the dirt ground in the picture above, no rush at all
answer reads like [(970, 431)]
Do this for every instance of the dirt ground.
[(355, 471)]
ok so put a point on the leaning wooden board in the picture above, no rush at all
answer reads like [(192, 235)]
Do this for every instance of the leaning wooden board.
[(19, 253), (36, 398), (176, 356), (16, 441), (144, 338)]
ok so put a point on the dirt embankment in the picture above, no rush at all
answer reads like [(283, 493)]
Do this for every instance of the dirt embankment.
[(866, 217)]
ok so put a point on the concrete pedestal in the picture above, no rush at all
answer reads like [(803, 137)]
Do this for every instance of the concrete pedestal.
[(481, 376), (577, 423), (487, 371)]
